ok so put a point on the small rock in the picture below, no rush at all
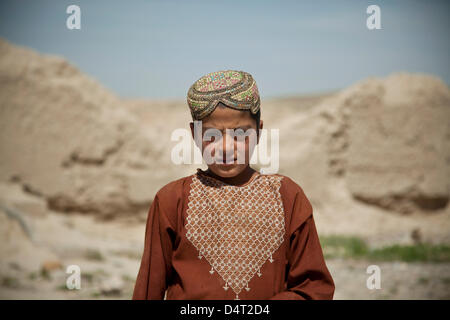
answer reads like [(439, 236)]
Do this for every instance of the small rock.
[(51, 265), (416, 236), (112, 286)]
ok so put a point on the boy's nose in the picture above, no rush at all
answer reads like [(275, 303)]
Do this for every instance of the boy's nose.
[(227, 147)]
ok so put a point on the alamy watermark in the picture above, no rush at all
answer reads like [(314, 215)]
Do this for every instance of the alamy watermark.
[(374, 280), (374, 20), (235, 150), (74, 280), (74, 20)]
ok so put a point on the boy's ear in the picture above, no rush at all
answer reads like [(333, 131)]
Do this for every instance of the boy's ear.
[(259, 130), (191, 124)]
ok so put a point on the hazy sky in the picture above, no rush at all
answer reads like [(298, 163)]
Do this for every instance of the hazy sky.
[(157, 49)]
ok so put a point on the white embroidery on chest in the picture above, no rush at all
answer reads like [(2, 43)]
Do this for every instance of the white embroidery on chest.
[(236, 229)]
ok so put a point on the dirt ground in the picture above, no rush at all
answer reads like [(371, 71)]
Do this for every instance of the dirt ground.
[(108, 254)]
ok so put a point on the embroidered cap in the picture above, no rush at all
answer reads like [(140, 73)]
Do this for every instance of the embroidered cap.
[(235, 89)]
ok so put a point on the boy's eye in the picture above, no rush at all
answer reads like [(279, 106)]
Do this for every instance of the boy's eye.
[(239, 132), (209, 134)]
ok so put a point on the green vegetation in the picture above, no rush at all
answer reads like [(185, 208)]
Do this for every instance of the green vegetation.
[(33, 275), (353, 247), (45, 274), (343, 247), (130, 254), (94, 255), (10, 282), (423, 280), (127, 278), (62, 287), (86, 276)]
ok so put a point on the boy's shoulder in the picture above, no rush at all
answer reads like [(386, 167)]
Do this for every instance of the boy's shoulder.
[(288, 184), (291, 190), (295, 201), (174, 188)]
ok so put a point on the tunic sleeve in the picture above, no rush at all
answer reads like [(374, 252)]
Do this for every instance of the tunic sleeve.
[(307, 276), (154, 271)]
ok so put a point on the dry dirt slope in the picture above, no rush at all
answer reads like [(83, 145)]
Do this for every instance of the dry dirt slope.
[(66, 138)]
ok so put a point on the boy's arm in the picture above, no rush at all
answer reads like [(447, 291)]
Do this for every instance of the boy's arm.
[(151, 282), (307, 275)]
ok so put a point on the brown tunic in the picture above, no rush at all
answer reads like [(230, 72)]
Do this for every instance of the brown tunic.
[(206, 239)]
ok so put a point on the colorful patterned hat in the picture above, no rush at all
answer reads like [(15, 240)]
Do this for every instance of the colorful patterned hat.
[(235, 89)]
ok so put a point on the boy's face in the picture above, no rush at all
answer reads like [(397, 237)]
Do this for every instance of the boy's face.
[(228, 147)]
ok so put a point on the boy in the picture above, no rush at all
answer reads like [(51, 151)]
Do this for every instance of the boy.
[(231, 232)]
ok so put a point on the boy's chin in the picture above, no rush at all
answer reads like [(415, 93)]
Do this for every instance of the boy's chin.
[(227, 171)]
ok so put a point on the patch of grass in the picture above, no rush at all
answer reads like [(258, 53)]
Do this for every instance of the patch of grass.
[(393, 290), (423, 280), (343, 247), (86, 276), (10, 282), (100, 273), (133, 255), (45, 274), (96, 294), (33, 275), (354, 247), (423, 252), (94, 255), (126, 277), (62, 287)]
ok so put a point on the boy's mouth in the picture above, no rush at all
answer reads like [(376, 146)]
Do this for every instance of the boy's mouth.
[(229, 163)]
